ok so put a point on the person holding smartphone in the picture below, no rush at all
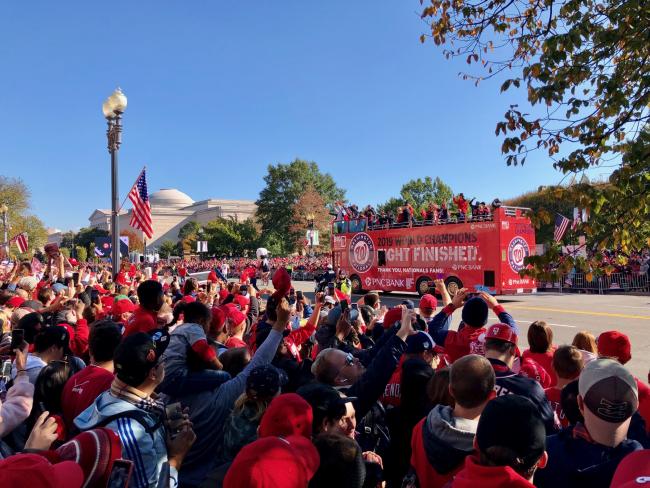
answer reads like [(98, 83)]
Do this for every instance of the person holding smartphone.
[(18, 404)]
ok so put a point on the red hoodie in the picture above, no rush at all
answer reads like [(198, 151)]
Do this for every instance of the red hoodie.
[(474, 475)]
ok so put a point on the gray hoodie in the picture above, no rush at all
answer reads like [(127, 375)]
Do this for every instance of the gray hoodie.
[(447, 439)]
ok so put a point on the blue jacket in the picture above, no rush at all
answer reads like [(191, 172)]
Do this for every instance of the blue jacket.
[(147, 451), (209, 411), (574, 461), (510, 383)]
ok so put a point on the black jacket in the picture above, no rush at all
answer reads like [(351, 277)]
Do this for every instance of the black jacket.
[(508, 382), (372, 383)]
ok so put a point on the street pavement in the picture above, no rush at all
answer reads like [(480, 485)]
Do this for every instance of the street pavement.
[(567, 314)]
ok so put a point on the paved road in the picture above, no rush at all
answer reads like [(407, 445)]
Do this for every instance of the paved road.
[(567, 314)]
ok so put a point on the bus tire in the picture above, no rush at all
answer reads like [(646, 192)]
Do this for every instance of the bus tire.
[(453, 285), (422, 285), (356, 284)]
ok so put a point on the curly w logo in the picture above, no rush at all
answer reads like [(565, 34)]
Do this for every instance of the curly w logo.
[(614, 411)]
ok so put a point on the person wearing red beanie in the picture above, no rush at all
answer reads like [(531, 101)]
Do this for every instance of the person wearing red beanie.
[(274, 461)]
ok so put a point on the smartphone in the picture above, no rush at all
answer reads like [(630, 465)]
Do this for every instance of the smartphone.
[(174, 411), (17, 339), (299, 295), (120, 474), (6, 369), (344, 305), (330, 289), (355, 306), (292, 292), (75, 278)]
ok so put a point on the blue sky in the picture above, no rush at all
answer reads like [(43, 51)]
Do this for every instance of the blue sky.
[(218, 90)]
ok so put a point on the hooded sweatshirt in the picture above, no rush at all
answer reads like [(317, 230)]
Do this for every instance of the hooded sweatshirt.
[(440, 444), (474, 475), (148, 452)]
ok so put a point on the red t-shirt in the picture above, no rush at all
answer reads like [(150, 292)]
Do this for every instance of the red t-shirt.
[(554, 395), (142, 320), (644, 402), (81, 390), (545, 360)]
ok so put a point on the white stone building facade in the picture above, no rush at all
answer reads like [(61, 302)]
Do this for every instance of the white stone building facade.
[(171, 209)]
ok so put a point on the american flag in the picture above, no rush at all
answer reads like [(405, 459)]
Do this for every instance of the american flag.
[(22, 242), (561, 225), (141, 213)]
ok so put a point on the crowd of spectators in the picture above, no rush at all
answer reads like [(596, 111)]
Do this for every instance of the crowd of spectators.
[(459, 209), (135, 381)]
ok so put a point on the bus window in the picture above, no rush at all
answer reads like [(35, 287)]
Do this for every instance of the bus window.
[(488, 278), (381, 257)]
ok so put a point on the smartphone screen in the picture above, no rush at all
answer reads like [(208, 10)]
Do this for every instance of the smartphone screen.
[(17, 338), (75, 278), (299, 295), (355, 306), (120, 474)]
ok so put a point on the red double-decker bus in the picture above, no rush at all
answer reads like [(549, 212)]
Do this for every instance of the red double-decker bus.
[(484, 254)]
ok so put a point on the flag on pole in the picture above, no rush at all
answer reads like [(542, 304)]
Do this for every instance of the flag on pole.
[(141, 213), (561, 224), (576, 218), (21, 241)]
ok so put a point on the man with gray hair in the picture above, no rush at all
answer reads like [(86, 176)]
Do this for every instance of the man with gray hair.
[(441, 441)]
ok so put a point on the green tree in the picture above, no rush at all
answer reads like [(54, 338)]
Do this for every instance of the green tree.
[(284, 184), (584, 66), (167, 248), (545, 206), (228, 236), (15, 194), (187, 237), (310, 204), (391, 205), (82, 253), (65, 251), (85, 237), (420, 192)]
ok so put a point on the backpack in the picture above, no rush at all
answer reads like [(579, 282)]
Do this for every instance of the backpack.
[(373, 431)]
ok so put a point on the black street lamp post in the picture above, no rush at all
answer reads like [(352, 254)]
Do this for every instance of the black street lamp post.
[(113, 109)]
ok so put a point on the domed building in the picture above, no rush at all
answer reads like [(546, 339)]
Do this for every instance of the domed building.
[(171, 209)]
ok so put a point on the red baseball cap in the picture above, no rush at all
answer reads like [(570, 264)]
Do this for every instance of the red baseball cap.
[(35, 470), (288, 414), (218, 319), (15, 301), (235, 316), (242, 301), (273, 461), (615, 344), (73, 262), (633, 470), (101, 289), (392, 316), (428, 301), (123, 306), (533, 370), (503, 332)]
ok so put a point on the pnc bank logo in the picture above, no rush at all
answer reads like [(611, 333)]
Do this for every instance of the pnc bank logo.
[(362, 252)]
